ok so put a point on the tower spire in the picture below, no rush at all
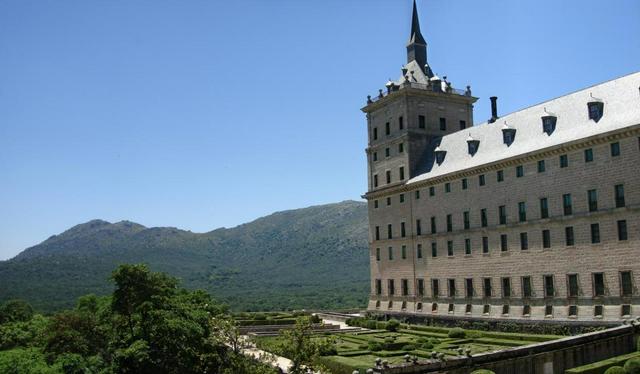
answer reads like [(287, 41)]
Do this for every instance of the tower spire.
[(417, 47)]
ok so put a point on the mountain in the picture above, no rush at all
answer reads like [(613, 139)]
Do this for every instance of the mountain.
[(313, 257)]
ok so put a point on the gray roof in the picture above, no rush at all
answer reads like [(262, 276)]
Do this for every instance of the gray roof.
[(621, 98)]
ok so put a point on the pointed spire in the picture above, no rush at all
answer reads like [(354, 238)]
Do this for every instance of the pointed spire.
[(416, 35), (417, 47)]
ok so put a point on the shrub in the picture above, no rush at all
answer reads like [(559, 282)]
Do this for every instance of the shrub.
[(374, 346), (315, 319), (389, 339), (638, 347), (456, 332), (408, 347), (427, 346), (615, 370), (370, 324), (632, 366), (393, 325), (483, 371)]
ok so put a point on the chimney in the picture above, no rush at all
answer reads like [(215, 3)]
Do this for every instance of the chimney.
[(494, 109)]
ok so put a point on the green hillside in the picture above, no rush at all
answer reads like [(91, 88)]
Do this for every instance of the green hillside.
[(314, 257)]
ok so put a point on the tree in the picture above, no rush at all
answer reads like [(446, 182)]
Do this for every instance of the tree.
[(15, 311), (303, 351)]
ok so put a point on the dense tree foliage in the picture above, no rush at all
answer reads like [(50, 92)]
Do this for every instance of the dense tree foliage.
[(148, 325)]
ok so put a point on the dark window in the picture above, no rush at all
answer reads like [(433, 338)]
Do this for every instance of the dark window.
[(622, 230), (388, 176), (418, 227), (389, 231), (463, 125), (502, 213), (524, 241), (506, 287), (375, 133), (401, 173), (387, 152), (486, 282), (449, 223), (626, 284), (377, 232), (377, 254), (404, 252), (402, 198), (447, 187), (449, 248), (503, 243), (388, 201), (508, 136), (465, 219), (421, 122), (546, 239), (417, 194), (486, 309), (548, 124), (500, 175), (467, 308), (434, 249), (568, 236), (548, 310), (387, 128), (573, 310), (469, 287), (375, 156), (544, 208), (597, 310), (485, 244), (564, 161), (403, 231), (541, 166), (625, 310), (598, 284), (566, 204), (527, 290), (595, 233), (619, 193), (588, 155), (435, 288), (452, 287), (481, 180), (375, 180), (522, 211), (391, 286), (378, 287), (419, 251), (420, 287), (443, 124), (464, 183), (519, 171), (405, 287), (549, 290), (433, 225), (615, 149), (467, 246), (375, 204), (572, 280), (400, 123), (401, 148), (483, 217), (595, 110), (390, 252), (592, 197), (432, 191), (505, 309)]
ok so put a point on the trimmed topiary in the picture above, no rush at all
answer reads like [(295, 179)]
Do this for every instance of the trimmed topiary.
[(615, 370), (457, 332), (393, 325), (632, 366)]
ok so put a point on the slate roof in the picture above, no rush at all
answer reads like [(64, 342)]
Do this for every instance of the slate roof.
[(621, 98)]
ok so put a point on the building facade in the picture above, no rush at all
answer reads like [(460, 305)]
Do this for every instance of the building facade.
[(532, 215)]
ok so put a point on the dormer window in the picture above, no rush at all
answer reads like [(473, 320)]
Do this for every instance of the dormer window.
[(549, 124), (596, 110), (440, 154), (508, 134), (472, 145)]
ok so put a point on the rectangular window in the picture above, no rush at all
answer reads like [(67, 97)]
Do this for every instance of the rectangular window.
[(402, 198), (403, 231), (467, 246), (486, 283), (391, 286), (401, 173), (502, 213), (405, 287), (519, 171), (443, 124), (387, 128), (452, 288), (449, 223), (420, 287), (418, 227), (546, 239), (419, 251), (434, 249), (404, 252), (432, 191), (524, 241), (401, 148), (544, 208), (375, 180), (615, 149), (388, 176), (400, 123), (592, 197), (469, 287), (541, 166), (564, 161), (598, 284), (375, 133), (626, 284), (568, 236), (377, 254), (449, 248), (566, 204), (483, 217), (500, 175), (388, 201), (527, 289), (435, 288), (447, 187), (421, 122), (378, 287), (375, 156), (464, 183), (506, 288), (481, 180), (377, 232), (622, 230), (549, 290), (619, 194), (387, 152), (485, 244), (389, 231), (390, 252), (433, 225), (595, 233), (588, 155), (375, 204), (417, 194), (522, 211), (572, 283), (465, 219), (503, 243)]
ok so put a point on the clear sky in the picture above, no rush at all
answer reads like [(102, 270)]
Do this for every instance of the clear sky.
[(202, 114)]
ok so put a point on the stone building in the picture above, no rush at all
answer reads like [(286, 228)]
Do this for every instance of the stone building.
[(532, 215)]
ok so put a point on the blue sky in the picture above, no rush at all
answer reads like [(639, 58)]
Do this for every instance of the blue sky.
[(202, 114)]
